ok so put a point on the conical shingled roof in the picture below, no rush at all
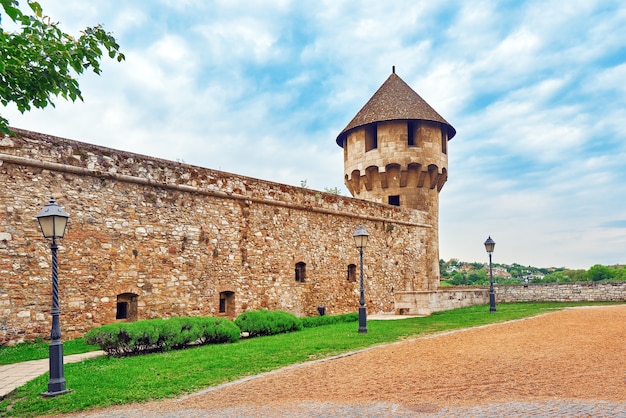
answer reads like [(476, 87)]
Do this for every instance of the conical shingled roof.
[(394, 100)]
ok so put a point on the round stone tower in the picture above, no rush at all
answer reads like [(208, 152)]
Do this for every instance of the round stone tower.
[(395, 152)]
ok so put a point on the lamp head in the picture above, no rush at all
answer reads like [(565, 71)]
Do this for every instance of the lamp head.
[(360, 237), (490, 244), (52, 220)]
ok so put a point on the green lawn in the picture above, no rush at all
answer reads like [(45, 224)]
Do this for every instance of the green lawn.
[(39, 349), (108, 381)]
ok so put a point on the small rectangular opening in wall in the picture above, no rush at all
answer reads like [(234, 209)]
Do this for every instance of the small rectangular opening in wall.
[(444, 140), (411, 127), (300, 272), (227, 303), (352, 273), (122, 310), (394, 200), (371, 137)]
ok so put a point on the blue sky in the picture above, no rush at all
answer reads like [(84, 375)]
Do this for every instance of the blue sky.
[(535, 89)]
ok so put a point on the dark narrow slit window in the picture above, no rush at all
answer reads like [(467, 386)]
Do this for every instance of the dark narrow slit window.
[(394, 200), (122, 310), (300, 272), (227, 303), (444, 140), (371, 137), (411, 133)]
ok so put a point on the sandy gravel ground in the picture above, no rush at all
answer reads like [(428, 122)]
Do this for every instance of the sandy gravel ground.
[(567, 362)]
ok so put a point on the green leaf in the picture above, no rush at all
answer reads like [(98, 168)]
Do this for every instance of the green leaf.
[(35, 8), (13, 12)]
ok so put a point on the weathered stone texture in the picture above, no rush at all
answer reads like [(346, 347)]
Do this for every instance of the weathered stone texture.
[(177, 235), (426, 302), (444, 299), (563, 292)]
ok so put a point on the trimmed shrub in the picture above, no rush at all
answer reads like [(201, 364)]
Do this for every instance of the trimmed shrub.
[(218, 332), (129, 338), (316, 321), (264, 322)]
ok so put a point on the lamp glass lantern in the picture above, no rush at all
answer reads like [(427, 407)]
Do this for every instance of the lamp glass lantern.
[(490, 245), (52, 220), (360, 237)]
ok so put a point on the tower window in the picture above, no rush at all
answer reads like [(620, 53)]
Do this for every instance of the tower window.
[(371, 137), (412, 129), (394, 200), (300, 272), (444, 140)]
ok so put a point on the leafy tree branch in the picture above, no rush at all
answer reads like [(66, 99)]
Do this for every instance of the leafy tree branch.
[(39, 61)]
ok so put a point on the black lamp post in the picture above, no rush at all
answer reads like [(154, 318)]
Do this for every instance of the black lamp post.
[(489, 246), (360, 239), (53, 220)]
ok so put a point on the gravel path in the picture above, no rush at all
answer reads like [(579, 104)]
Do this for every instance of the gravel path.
[(566, 364)]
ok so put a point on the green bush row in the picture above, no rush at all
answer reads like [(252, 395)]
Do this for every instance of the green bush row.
[(264, 322), (129, 338), (316, 321)]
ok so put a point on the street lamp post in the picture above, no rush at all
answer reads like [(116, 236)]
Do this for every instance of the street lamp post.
[(53, 220), (489, 246), (360, 239)]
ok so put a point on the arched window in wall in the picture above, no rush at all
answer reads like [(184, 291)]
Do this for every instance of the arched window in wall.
[(227, 303), (352, 272), (126, 306), (300, 272)]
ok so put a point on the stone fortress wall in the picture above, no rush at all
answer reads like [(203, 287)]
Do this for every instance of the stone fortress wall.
[(562, 292), (427, 302), (153, 238)]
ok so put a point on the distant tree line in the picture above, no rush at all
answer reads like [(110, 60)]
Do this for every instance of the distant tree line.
[(460, 273)]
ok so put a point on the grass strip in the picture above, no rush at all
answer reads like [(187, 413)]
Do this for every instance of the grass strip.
[(106, 381), (39, 349)]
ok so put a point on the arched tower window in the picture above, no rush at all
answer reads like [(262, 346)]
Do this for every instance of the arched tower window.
[(351, 272), (300, 272), (227, 303), (126, 307)]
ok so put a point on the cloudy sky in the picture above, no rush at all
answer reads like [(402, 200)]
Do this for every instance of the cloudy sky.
[(535, 89)]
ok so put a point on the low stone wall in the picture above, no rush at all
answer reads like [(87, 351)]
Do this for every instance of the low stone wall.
[(426, 302), (563, 292)]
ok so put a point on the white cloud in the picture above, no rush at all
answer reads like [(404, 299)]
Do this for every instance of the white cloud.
[(535, 91)]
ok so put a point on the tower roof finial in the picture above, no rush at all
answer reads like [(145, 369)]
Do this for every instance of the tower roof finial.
[(393, 69)]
